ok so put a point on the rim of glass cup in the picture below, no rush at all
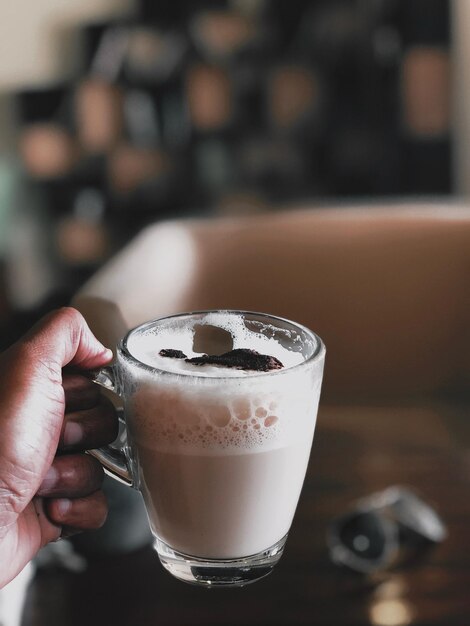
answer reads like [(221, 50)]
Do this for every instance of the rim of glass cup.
[(315, 356)]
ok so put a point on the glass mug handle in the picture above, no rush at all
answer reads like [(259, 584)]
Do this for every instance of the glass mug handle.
[(114, 460)]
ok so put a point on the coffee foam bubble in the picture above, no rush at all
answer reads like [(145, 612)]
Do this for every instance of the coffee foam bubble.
[(188, 417), (218, 410), (263, 338)]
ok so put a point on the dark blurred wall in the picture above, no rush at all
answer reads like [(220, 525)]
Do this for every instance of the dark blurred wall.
[(226, 107)]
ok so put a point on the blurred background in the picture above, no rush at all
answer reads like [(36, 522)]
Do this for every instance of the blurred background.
[(118, 113)]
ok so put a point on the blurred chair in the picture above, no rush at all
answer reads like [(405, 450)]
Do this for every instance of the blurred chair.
[(386, 287)]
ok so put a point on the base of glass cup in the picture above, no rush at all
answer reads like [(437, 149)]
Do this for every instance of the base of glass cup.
[(219, 572)]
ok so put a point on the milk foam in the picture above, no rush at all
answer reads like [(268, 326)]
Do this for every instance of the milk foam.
[(230, 416), (219, 410), (146, 346)]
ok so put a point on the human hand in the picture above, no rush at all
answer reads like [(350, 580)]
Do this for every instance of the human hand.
[(48, 487)]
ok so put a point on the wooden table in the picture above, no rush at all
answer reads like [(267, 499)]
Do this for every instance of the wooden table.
[(358, 449)]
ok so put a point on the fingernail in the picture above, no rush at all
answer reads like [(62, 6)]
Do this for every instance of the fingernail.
[(63, 506), (73, 433), (50, 479)]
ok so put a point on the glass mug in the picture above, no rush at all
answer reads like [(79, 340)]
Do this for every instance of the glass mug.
[(219, 455)]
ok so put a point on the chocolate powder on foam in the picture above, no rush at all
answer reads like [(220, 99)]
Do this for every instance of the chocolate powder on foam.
[(240, 359), (172, 354)]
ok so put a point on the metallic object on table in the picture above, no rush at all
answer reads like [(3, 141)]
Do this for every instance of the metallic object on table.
[(383, 529)]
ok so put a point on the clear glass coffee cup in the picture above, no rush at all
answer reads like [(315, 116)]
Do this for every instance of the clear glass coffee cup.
[(219, 454)]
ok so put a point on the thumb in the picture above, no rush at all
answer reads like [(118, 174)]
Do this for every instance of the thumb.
[(64, 338)]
